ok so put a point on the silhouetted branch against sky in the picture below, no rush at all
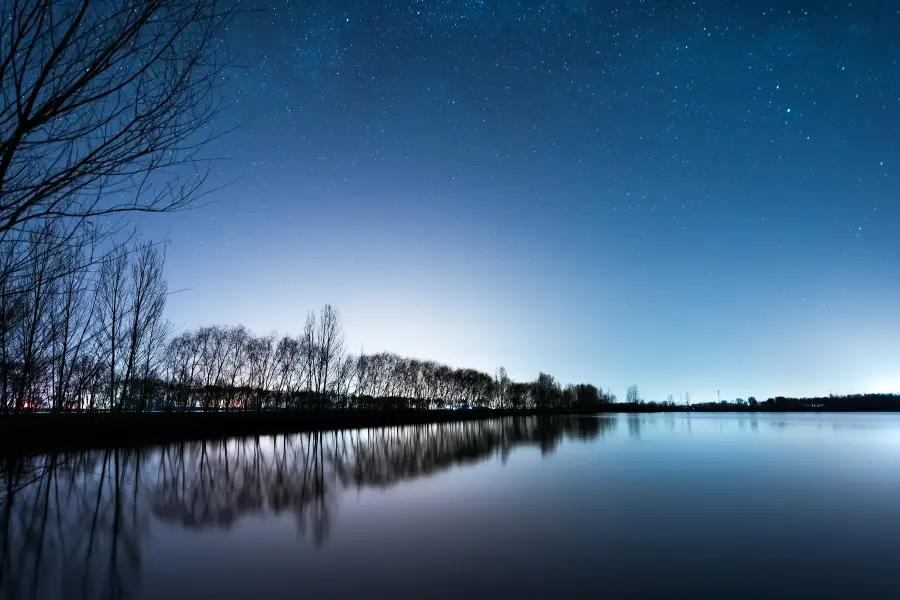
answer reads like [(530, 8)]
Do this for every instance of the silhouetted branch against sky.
[(105, 105)]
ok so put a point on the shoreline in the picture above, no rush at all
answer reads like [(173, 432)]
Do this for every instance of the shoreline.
[(38, 433)]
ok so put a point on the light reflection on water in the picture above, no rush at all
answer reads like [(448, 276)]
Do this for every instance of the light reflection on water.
[(624, 506)]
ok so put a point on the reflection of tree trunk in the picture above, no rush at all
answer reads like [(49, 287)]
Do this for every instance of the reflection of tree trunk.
[(90, 548), (227, 474), (181, 464), (137, 487), (114, 583), (61, 532), (118, 544), (36, 531), (56, 552), (202, 497), (12, 482)]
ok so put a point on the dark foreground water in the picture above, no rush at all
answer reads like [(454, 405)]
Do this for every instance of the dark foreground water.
[(646, 506)]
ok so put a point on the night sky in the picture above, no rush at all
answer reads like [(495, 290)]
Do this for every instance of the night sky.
[(689, 196)]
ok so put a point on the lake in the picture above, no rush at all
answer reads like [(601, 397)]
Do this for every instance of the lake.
[(619, 506)]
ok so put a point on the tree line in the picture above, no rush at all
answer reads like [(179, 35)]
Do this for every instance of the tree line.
[(74, 335), (77, 338), (85, 335), (832, 402)]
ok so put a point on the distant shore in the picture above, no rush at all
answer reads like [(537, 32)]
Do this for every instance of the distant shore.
[(36, 433)]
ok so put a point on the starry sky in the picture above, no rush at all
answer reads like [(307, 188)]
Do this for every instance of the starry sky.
[(690, 196)]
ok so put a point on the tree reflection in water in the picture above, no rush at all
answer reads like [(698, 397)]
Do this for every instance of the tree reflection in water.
[(71, 524)]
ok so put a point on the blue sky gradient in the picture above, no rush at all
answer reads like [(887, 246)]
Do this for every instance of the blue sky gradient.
[(689, 196)]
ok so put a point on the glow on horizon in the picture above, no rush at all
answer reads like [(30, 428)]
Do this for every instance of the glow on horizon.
[(607, 221)]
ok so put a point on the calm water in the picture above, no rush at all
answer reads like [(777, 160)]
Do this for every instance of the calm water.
[(624, 506)]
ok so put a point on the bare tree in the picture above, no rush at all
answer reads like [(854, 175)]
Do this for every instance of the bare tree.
[(239, 341), (309, 351), (501, 388), (586, 395), (329, 351), (35, 331), (11, 312), (153, 357), (72, 321), (632, 395), (291, 368), (112, 297), (262, 368), (183, 360), (343, 380), (546, 391), (145, 311), (101, 99)]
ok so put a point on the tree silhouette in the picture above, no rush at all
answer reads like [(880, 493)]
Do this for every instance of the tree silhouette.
[(101, 98), (632, 395)]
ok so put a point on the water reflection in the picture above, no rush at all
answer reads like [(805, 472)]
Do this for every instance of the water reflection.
[(634, 425), (808, 500), (73, 520), (73, 525)]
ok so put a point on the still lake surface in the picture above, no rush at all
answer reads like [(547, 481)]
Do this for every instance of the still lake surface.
[(619, 506)]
